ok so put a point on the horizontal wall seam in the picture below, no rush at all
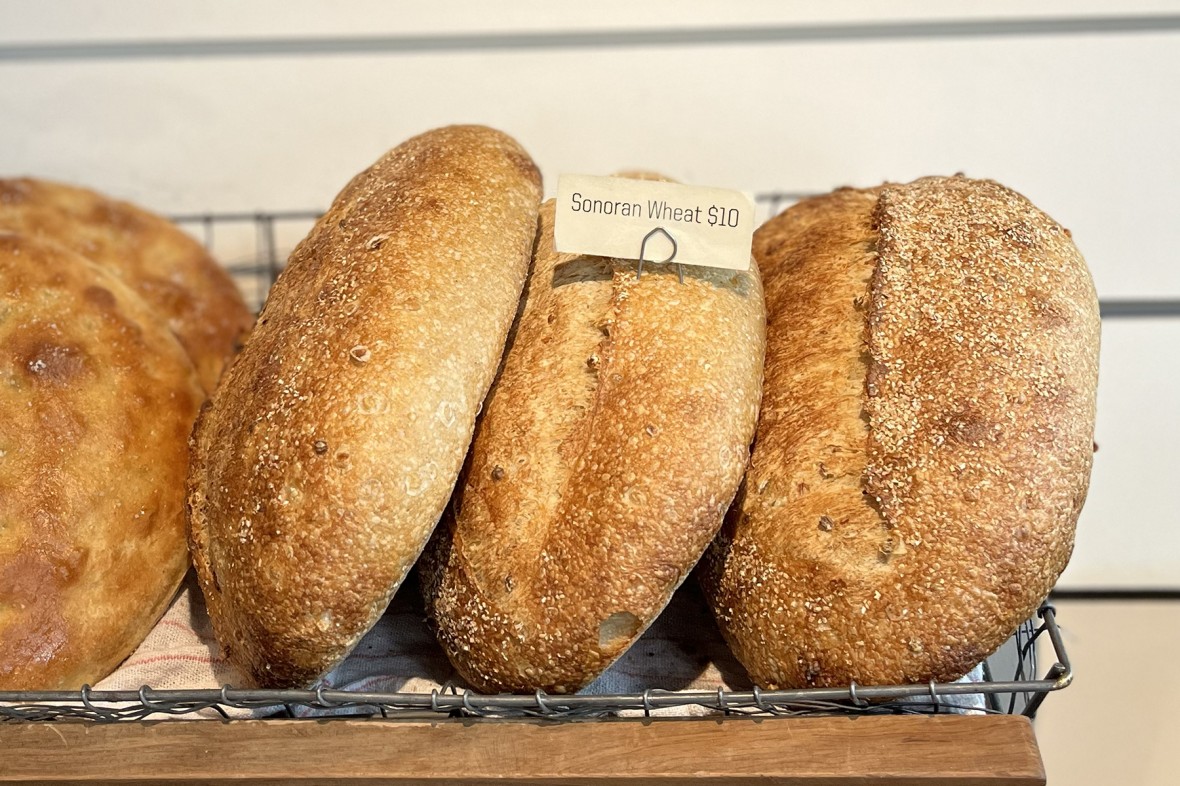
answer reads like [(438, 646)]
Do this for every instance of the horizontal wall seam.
[(520, 41)]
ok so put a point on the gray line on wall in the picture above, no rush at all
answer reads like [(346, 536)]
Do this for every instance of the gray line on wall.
[(1114, 309), (606, 39)]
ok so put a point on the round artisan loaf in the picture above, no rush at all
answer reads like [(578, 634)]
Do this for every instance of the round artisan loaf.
[(163, 264), (333, 442), (610, 447), (925, 442), (97, 399)]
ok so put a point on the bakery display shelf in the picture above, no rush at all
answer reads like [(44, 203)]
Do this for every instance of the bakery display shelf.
[(254, 246)]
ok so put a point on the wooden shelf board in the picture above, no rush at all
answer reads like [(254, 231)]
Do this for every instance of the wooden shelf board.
[(835, 751)]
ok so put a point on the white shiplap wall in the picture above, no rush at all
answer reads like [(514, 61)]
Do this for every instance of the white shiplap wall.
[(1085, 124)]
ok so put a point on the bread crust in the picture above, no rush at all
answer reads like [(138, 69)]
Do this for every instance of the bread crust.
[(96, 402), (331, 447), (166, 267), (611, 445), (926, 438)]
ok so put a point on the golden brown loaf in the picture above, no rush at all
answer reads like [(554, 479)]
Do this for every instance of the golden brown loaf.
[(96, 402), (925, 444), (611, 445), (333, 442), (166, 267)]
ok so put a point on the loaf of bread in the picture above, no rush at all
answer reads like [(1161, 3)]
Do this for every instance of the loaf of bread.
[(925, 441), (609, 450), (96, 402), (167, 268), (333, 442)]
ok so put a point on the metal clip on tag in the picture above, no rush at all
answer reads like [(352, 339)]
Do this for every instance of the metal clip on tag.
[(643, 250)]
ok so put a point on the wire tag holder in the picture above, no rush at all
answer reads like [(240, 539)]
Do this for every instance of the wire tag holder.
[(643, 252)]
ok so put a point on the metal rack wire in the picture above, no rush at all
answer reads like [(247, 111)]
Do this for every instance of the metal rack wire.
[(1022, 694), (253, 247)]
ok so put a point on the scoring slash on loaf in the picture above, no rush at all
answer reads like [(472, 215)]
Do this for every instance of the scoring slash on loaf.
[(609, 450), (170, 270), (925, 442), (332, 445), (92, 544)]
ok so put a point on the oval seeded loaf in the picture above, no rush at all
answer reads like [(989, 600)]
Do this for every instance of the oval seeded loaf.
[(610, 447), (925, 442), (333, 442), (164, 265), (96, 403)]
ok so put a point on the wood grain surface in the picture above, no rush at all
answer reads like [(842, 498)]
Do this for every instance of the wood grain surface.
[(835, 751)]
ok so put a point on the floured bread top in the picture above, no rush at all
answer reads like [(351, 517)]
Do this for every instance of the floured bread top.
[(610, 447), (926, 437), (173, 274), (96, 403), (331, 448)]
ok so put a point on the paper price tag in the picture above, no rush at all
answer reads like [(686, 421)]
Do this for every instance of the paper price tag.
[(611, 216)]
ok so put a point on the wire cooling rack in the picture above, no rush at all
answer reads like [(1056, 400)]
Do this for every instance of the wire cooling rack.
[(1022, 694), (253, 246)]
